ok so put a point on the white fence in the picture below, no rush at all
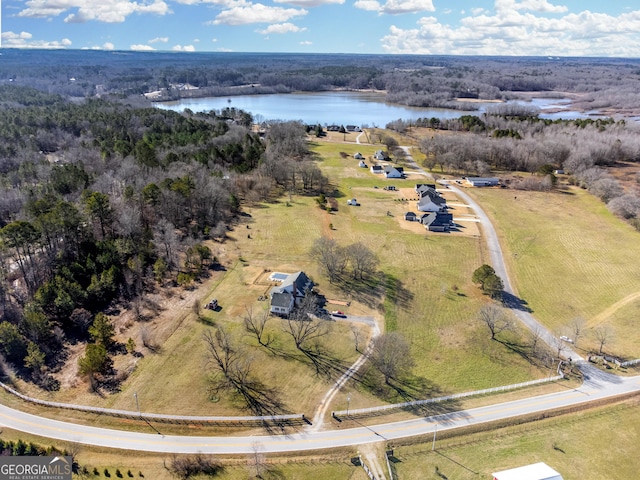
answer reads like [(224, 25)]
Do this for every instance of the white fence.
[(160, 417), (397, 406)]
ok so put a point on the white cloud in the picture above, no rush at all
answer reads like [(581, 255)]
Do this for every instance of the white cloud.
[(25, 40), (281, 28), (370, 5), (108, 11), (256, 13), (214, 40), (477, 11), (105, 46), (306, 42), (159, 40), (531, 5), (309, 3), (142, 48), (511, 32), (185, 48), (396, 7)]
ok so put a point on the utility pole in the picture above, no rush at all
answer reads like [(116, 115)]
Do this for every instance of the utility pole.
[(135, 394), (348, 402)]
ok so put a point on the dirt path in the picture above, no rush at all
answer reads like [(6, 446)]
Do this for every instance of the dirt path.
[(605, 314), (371, 454), (325, 403)]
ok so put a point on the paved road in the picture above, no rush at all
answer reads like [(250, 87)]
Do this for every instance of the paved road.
[(597, 385), (518, 308), (597, 388)]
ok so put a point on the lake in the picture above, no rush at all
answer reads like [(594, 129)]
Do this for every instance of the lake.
[(345, 108)]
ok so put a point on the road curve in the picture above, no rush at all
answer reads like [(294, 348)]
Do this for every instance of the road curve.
[(598, 385)]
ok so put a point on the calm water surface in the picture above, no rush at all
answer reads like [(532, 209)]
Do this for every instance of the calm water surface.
[(343, 108)]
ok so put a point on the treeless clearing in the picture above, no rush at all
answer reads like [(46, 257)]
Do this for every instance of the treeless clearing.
[(570, 257)]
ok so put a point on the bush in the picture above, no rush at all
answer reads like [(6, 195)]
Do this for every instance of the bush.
[(189, 466)]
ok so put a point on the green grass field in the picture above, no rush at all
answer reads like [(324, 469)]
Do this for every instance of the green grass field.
[(569, 258), (599, 443)]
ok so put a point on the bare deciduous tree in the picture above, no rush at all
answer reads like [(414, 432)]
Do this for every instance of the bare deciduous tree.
[(255, 324), (302, 325), (535, 336), (577, 327), (363, 261), (603, 335), (495, 318), (330, 256), (391, 356)]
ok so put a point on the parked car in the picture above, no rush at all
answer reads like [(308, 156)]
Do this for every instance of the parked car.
[(338, 313), (564, 338)]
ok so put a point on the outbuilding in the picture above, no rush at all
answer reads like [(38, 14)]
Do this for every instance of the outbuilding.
[(535, 471), (483, 181)]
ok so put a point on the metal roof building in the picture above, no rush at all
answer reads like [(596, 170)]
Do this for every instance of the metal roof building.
[(536, 471)]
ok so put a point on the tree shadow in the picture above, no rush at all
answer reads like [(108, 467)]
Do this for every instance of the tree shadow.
[(325, 364), (515, 303), (521, 349), (397, 293), (367, 291)]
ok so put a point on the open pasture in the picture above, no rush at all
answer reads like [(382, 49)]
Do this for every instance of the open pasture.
[(579, 446), (569, 257)]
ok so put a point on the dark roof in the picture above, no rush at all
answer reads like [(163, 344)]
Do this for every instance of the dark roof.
[(434, 219), (282, 299), (433, 196), (419, 186), (410, 214), (377, 167)]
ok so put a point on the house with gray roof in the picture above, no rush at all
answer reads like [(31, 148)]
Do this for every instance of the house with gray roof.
[(289, 293), (431, 201), (437, 221)]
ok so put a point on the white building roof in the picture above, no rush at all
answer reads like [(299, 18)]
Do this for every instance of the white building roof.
[(536, 471)]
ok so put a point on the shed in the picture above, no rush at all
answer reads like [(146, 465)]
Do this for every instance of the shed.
[(535, 471), (483, 181), (358, 156), (410, 217), (377, 169)]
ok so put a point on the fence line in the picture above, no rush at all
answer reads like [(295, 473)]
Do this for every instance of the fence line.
[(159, 416), (367, 470), (396, 406)]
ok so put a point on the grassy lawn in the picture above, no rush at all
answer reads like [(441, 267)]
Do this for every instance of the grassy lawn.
[(570, 258), (331, 465), (424, 291), (599, 443)]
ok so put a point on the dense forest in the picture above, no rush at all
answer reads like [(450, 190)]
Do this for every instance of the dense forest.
[(101, 202), (104, 198), (417, 80)]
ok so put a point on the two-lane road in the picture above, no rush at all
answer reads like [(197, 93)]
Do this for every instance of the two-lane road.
[(600, 388)]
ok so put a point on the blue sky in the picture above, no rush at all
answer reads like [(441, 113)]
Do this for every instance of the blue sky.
[(455, 27)]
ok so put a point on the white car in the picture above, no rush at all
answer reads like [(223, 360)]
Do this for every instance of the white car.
[(564, 338)]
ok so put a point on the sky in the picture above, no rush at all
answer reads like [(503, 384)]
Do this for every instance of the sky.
[(452, 27)]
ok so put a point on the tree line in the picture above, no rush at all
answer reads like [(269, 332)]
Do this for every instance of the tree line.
[(102, 201)]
